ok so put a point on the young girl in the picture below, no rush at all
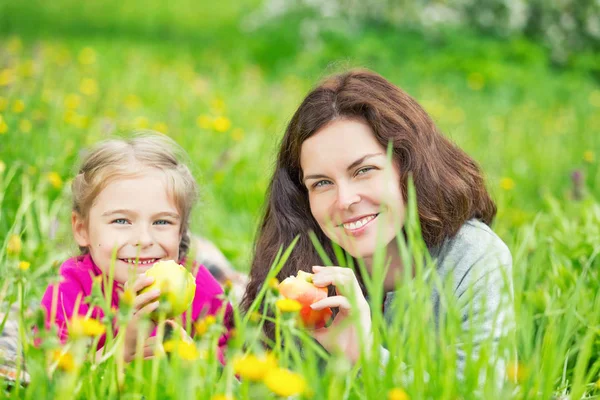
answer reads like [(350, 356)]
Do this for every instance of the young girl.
[(131, 198), (333, 177)]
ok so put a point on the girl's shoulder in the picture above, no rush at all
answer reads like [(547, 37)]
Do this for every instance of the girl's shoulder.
[(80, 266)]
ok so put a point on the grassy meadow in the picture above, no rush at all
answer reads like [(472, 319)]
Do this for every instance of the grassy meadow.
[(223, 84)]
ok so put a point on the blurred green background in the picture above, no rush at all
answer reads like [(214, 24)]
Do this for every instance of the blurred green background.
[(514, 83)]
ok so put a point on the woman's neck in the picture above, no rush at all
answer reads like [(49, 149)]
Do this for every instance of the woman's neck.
[(395, 269)]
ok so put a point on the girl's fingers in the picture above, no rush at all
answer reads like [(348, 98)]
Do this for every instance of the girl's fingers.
[(147, 309), (334, 301), (141, 282), (145, 298)]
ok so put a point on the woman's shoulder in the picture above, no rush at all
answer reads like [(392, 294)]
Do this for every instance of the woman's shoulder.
[(474, 251)]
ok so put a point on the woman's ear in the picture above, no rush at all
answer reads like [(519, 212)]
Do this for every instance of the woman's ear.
[(80, 231)]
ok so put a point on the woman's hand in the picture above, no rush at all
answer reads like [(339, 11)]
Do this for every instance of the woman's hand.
[(143, 304), (344, 333)]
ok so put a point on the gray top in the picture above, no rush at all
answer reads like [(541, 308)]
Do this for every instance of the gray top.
[(478, 265)]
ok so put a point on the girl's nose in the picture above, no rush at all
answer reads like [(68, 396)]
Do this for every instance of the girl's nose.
[(144, 238)]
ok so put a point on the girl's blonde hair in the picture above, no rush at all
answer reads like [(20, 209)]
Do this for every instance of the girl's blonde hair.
[(125, 158)]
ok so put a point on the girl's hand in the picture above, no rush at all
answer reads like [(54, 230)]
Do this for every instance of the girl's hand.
[(143, 304), (344, 334)]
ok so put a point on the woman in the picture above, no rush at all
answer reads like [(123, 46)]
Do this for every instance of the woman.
[(333, 177)]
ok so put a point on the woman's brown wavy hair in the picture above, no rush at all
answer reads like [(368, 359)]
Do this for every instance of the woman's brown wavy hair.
[(449, 185)]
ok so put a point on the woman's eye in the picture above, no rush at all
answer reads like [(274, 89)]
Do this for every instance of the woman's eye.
[(162, 222), (321, 183), (120, 221), (364, 170)]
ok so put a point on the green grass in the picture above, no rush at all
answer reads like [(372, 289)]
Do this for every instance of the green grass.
[(85, 70)]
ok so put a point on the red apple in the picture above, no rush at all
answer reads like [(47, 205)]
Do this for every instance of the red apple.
[(301, 289)]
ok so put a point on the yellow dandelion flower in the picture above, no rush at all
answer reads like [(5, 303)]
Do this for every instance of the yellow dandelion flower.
[(64, 360), (589, 156), (132, 102), (81, 121), (7, 77), (87, 56), (288, 305), (3, 126), (594, 98), (54, 179), (14, 44), (252, 367), (201, 326), (88, 86), (218, 105), (507, 184), (597, 384), (26, 69), (456, 115), (25, 126), (221, 124), (204, 122), (24, 265), (3, 103), (141, 122), (161, 127), (185, 350), (18, 106), (86, 326), (14, 245), (255, 316), (274, 283), (2, 166), (475, 81), (222, 397), (284, 382), (72, 101), (237, 134), (46, 96), (516, 372), (397, 394), (127, 297)]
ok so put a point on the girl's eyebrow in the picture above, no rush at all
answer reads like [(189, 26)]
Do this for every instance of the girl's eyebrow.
[(168, 214), (353, 165), (119, 211)]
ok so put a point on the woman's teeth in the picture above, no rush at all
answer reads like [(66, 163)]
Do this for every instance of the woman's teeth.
[(141, 262), (360, 223)]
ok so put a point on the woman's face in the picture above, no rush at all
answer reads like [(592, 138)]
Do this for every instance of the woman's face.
[(353, 189)]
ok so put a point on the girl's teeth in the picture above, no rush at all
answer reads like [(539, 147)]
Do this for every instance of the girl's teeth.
[(141, 262), (358, 224)]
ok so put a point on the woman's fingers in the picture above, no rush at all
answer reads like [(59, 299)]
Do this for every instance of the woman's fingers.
[(334, 301), (342, 278)]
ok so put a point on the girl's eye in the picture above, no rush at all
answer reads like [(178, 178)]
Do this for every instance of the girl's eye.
[(120, 221), (162, 222)]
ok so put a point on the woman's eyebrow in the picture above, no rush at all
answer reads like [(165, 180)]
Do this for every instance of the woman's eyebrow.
[(353, 165), (362, 160)]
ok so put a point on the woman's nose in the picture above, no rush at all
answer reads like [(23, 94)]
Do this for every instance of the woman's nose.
[(347, 195)]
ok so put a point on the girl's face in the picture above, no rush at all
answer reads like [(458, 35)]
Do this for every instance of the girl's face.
[(353, 189), (136, 218)]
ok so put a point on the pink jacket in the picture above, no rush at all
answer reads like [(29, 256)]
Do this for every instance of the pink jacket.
[(76, 282)]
